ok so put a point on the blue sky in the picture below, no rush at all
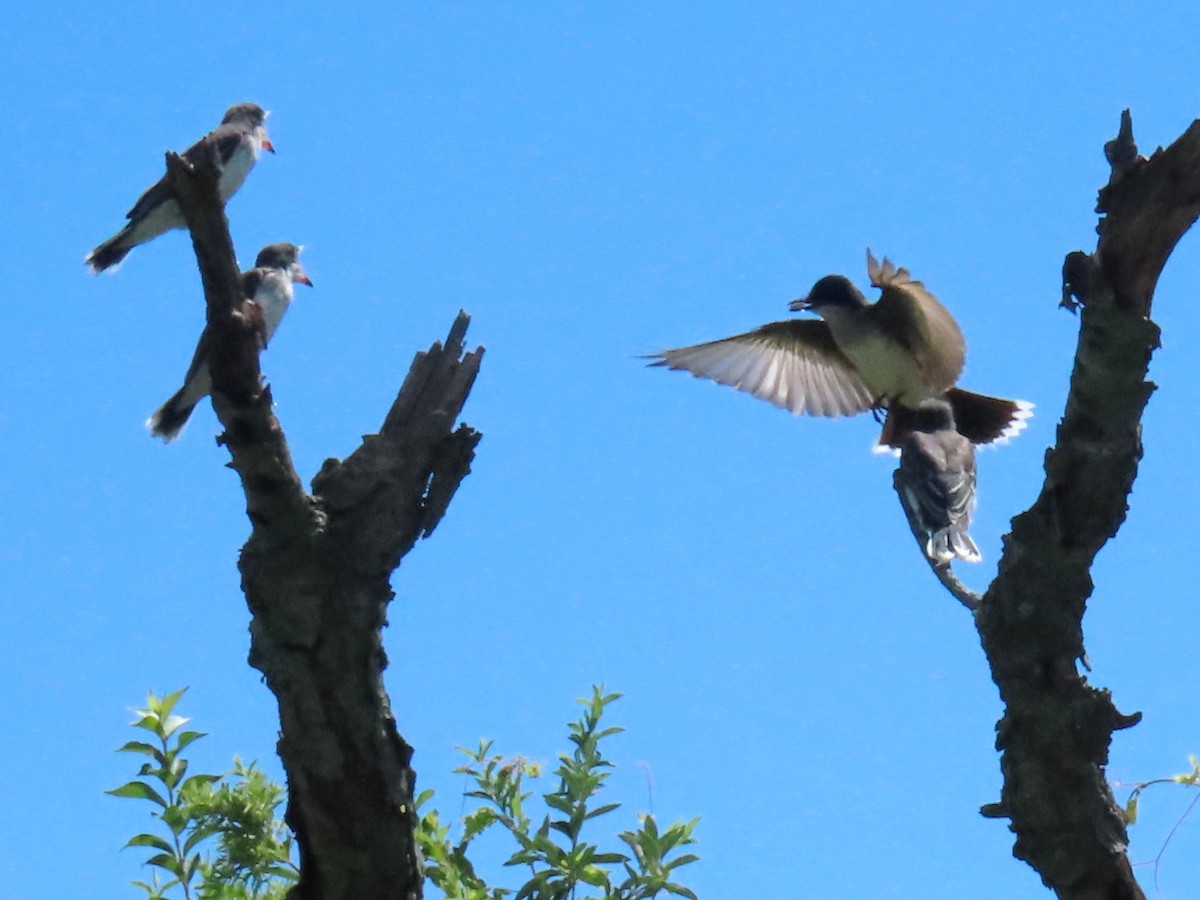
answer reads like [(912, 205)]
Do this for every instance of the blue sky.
[(591, 183)]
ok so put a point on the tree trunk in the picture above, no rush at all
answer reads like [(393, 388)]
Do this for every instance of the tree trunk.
[(1056, 729), (316, 573)]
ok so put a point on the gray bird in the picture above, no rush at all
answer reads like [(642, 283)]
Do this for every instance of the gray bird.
[(269, 285), (884, 356), (237, 142), (936, 482)]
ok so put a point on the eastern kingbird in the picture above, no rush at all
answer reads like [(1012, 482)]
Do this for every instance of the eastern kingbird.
[(269, 285), (237, 142), (883, 356), (936, 482)]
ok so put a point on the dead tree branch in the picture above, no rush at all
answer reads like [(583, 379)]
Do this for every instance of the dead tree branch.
[(316, 573), (1056, 729)]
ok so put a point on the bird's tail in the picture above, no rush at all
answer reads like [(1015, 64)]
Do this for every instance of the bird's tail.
[(109, 253), (168, 420), (979, 418), (946, 543)]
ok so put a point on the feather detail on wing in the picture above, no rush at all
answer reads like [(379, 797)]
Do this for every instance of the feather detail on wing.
[(793, 364), (915, 318)]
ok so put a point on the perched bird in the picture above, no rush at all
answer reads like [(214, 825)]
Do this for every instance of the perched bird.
[(237, 142), (936, 482), (269, 285), (883, 356)]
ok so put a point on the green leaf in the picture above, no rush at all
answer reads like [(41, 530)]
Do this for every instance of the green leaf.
[(138, 790), (200, 833), (172, 724), (1131, 810), (195, 782), (476, 822), (679, 890), (150, 840), (175, 818), (143, 748), (167, 703), (187, 737), (166, 861), (594, 876), (601, 810)]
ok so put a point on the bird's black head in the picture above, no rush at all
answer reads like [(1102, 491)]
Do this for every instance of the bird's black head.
[(250, 113), (830, 291)]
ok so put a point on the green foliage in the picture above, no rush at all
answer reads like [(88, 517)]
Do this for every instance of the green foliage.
[(235, 814), (560, 863), (1189, 779), (1131, 809), (237, 810)]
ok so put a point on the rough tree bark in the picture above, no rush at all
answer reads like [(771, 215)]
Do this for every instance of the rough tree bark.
[(1056, 729), (316, 572)]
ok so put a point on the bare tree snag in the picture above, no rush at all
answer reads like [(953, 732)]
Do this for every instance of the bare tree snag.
[(316, 573), (1056, 729)]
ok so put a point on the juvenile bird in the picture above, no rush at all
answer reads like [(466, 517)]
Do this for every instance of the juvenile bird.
[(269, 285), (886, 356), (936, 482), (236, 143)]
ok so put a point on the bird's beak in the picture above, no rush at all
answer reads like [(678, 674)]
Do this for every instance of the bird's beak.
[(301, 277), (266, 144), (800, 305)]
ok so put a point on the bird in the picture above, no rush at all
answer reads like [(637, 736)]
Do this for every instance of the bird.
[(858, 356), (936, 483), (237, 141), (269, 286)]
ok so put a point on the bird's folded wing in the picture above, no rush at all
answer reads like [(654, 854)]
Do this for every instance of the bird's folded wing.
[(794, 364), (225, 139), (157, 194)]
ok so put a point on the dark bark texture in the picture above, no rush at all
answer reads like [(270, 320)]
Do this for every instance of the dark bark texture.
[(1056, 729), (316, 573)]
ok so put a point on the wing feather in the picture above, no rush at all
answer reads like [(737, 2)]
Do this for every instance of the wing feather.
[(792, 364), (918, 321)]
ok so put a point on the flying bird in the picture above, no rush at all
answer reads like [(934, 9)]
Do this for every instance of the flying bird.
[(236, 142), (269, 285), (936, 483), (859, 356)]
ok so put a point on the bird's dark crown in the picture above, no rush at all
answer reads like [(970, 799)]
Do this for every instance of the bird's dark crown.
[(277, 256), (834, 290), (245, 112)]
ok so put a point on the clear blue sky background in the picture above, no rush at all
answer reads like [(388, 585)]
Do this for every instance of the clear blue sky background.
[(590, 182)]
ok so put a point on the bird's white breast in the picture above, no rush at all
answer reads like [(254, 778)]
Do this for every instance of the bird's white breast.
[(274, 296), (239, 164)]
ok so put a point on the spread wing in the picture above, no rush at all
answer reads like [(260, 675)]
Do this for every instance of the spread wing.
[(793, 364), (918, 321)]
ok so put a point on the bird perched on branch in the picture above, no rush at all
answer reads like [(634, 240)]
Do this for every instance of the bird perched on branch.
[(886, 356), (235, 145), (269, 285), (936, 483)]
